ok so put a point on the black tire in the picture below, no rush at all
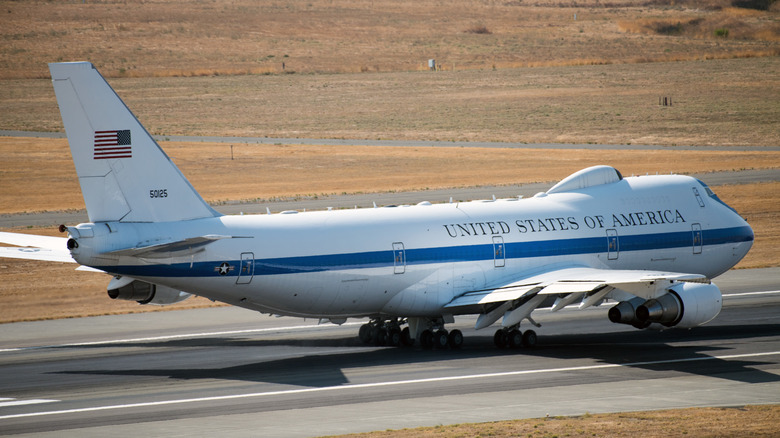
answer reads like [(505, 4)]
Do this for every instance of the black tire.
[(500, 339), (380, 339), (515, 338), (529, 338), (394, 337), (455, 339), (365, 334), (440, 339), (426, 339), (406, 337)]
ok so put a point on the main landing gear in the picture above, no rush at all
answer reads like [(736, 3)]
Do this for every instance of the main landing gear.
[(389, 332), (380, 333), (432, 335), (512, 337), (441, 339)]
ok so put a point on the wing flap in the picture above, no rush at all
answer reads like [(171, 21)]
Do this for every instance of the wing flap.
[(645, 284), (498, 295), (517, 299), (568, 287)]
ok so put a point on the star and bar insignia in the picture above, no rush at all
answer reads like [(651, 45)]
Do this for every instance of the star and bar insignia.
[(224, 268)]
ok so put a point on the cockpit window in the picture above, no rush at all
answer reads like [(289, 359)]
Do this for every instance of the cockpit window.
[(698, 197), (712, 195)]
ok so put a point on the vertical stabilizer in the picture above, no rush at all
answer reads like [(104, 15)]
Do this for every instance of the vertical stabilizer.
[(124, 175)]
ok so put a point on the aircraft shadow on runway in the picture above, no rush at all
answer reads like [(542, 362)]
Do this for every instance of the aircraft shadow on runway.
[(316, 364), (688, 352)]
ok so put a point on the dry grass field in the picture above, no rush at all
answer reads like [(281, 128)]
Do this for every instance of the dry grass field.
[(729, 102), (747, 421), (44, 169), (143, 38)]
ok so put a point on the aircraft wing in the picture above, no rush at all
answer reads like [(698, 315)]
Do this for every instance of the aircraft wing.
[(517, 299), (32, 247)]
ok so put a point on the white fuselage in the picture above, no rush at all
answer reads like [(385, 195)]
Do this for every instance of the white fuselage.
[(413, 260)]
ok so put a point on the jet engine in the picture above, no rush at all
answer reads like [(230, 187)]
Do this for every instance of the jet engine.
[(685, 305), (127, 288), (625, 313)]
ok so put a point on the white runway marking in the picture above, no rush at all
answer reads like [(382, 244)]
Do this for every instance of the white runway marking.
[(748, 294), (181, 336), (5, 402), (380, 384)]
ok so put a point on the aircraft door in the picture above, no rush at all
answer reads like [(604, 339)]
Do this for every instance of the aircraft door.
[(499, 252), (247, 269), (697, 238), (613, 244), (399, 258)]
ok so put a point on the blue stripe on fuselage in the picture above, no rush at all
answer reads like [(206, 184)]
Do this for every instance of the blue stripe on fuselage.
[(446, 254)]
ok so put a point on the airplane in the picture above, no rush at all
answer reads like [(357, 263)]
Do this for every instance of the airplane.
[(648, 244)]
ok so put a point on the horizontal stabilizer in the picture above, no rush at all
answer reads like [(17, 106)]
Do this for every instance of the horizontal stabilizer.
[(43, 254), (32, 247), (178, 248)]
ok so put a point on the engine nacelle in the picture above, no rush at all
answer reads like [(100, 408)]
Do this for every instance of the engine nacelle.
[(685, 305), (128, 288), (625, 313)]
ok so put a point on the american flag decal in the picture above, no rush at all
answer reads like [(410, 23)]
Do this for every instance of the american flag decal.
[(112, 144)]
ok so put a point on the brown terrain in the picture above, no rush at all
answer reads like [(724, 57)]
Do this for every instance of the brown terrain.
[(144, 38), (528, 71), (752, 421)]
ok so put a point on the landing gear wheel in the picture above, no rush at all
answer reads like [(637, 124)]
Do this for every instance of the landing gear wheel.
[(426, 339), (394, 337), (441, 339), (500, 339), (529, 338), (380, 338), (406, 337), (365, 333), (455, 339), (515, 338)]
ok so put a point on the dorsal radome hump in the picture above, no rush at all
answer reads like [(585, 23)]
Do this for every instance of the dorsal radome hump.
[(592, 176)]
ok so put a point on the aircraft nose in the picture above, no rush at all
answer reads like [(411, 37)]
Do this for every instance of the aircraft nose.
[(746, 240)]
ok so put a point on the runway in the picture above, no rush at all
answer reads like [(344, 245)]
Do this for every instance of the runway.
[(232, 372)]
